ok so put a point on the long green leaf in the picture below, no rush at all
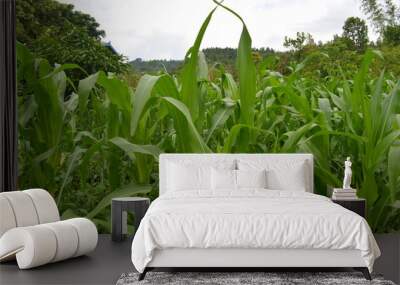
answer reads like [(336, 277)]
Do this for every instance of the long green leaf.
[(219, 119), (394, 171), (131, 148), (62, 67), (293, 137), (234, 133), (50, 111), (189, 93), (117, 91), (71, 165), (200, 145), (247, 80), (142, 96), (86, 86), (358, 93)]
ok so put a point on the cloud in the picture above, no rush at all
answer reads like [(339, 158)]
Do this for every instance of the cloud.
[(165, 45), (166, 29)]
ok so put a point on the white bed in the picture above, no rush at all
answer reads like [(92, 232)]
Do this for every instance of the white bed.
[(249, 227)]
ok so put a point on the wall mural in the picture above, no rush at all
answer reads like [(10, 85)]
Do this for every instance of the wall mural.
[(91, 127)]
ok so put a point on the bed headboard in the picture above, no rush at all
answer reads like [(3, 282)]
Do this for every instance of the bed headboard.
[(212, 159)]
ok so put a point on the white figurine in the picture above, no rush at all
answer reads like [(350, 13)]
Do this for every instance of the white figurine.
[(347, 174)]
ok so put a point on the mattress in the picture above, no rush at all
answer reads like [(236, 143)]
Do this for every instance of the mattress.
[(250, 219)]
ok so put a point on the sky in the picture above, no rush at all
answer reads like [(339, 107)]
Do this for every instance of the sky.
[(165, 29)]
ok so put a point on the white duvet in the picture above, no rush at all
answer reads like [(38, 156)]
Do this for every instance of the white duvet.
[(250, 219)]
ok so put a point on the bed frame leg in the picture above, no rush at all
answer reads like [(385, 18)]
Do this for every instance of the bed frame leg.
[(143, 274), (364, 271)]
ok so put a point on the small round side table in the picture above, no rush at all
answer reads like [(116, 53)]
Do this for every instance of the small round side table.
[(119, 208)]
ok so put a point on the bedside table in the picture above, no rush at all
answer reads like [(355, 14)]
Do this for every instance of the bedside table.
[(357, 205), (119, 206)]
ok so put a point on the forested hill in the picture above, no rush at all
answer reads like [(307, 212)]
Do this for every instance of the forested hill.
[(226, 56), (155, 65)]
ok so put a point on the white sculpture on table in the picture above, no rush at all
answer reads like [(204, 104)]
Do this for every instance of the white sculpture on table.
[(347, 174)]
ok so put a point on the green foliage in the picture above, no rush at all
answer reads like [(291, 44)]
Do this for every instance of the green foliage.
[(382, 14), (356, 31), (227, 56), (391, 35), (385, 17), (302, 39), (70, 143), (35, 17), (391, 55), (103, 139), (60, 34)]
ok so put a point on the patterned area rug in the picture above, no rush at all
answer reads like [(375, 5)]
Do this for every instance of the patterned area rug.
[(244, 278)]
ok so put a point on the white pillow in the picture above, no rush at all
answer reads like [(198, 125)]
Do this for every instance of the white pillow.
[(223, 179), (182, 177), (293, 179), (280, 175), (251, 179), (228, 179)]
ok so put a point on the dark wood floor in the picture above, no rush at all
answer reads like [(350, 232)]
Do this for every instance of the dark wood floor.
[(111, 259), (103, 266)]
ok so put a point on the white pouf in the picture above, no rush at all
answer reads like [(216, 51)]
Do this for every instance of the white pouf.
[(31, 232)]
